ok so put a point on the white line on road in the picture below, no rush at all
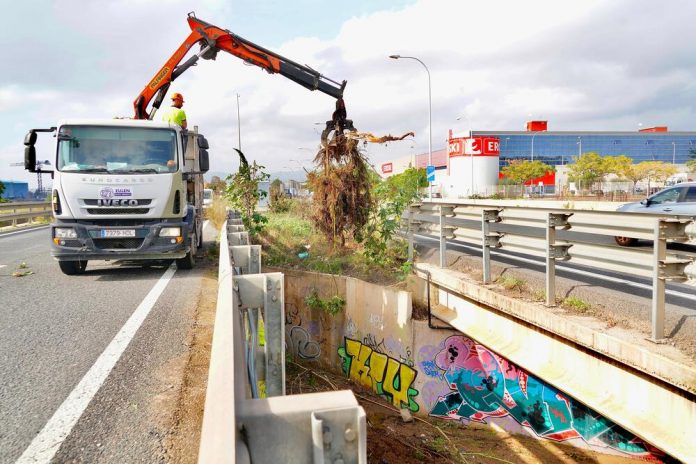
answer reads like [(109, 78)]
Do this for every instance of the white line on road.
[(48, 441), (630, 283)]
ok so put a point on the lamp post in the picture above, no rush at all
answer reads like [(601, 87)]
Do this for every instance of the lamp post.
[(430, 116), (533, 135), (239, 126)]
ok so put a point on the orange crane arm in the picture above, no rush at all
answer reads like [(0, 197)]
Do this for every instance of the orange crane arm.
[(212, 39)]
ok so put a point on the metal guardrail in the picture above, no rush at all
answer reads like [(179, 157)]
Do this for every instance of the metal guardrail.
[(24, 211), (534, 231), (239, 416)]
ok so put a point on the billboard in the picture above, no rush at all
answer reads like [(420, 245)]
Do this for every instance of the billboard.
[(387, 168)]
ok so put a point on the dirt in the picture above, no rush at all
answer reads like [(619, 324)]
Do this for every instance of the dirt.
[(391, 440), (181, 444)]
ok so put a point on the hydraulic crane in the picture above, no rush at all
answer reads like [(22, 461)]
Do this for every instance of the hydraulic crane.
[(212, 39)]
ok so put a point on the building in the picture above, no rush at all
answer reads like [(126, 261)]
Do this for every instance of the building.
[(558, 148)]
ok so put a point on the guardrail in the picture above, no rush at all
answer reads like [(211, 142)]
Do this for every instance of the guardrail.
[(247, 418), (24, 211), (534, 231)]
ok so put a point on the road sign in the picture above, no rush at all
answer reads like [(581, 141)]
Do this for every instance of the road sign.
[(430, 171)]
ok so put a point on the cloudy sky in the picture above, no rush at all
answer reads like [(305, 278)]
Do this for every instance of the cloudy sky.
[(582, 65)]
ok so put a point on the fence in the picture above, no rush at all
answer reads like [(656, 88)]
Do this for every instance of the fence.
[(24, 211), (535, 231), (247, 418)]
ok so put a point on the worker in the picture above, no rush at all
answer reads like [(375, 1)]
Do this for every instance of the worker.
[(174, 113)]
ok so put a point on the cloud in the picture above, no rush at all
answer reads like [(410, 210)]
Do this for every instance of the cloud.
[(583, 65)]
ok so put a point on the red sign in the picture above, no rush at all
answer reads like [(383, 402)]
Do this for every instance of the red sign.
[(474, 146), (455, 147), (387, 168)]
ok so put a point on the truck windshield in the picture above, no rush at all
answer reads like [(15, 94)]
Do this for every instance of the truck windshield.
[(118, 150)]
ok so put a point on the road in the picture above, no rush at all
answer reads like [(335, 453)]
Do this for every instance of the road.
[(54, 330)]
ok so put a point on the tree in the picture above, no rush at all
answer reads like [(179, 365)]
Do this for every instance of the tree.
[(217, 185), (590, 167), (341, 186), (691, 164), (243, 193), (392, 196), (624, 168), (522, 171), (2, 190), (278, 202), (657, 171)]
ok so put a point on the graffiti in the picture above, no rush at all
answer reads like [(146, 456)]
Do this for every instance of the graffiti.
[(300, 343), (483, 385), (371, 342), (376, 320), (385, 375)]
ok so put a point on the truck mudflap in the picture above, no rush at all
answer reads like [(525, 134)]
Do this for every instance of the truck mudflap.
[(152, 241)]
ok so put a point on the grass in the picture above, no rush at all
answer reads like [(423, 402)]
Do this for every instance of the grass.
[(509, 282), (290, 240), (217, 212), (577, 304)]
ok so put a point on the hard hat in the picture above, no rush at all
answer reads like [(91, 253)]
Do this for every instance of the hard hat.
[(177, 96)]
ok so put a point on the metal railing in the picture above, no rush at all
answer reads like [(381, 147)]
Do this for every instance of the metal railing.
[(535, 231), (245, 399), (24, 211)]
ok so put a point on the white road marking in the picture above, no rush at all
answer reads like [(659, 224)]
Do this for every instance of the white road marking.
[(48, 441), (630, 283)]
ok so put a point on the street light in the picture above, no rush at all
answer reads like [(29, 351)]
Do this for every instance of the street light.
[(533, 135), (239, 126), (430, 115)]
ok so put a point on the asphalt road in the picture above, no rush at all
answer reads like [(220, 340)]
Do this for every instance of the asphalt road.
[(53, 329)]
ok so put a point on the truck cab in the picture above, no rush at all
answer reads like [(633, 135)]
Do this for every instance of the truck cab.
[(125, 189)]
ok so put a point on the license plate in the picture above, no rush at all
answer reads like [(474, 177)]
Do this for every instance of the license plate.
[(117, 233)]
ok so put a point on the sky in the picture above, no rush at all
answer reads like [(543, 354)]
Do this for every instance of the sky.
[(582, 65)]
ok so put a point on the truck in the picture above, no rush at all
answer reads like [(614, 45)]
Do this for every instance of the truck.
[(125, 189), (132, 189)]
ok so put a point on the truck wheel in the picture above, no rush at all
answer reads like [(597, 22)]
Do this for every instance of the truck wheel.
[(73, 267), (625, 241), (188, 261)]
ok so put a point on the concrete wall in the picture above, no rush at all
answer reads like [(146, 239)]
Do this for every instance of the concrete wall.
[(441, 373)]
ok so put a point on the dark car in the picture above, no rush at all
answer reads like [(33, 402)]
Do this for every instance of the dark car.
[(678, 199)]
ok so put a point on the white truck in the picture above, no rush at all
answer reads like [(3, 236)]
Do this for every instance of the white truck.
[(124, 189)]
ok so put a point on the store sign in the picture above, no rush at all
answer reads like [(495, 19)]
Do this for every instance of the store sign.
[(474, 146), (387, 168)]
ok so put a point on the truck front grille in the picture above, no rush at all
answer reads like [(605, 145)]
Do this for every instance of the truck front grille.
[(118, 210), (118, 243), (93, 202)]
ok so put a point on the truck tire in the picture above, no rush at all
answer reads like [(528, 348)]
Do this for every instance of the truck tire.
[(188, 261), (73, 267)]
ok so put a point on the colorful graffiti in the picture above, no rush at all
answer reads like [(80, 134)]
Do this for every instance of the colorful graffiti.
[(483, 385), (385, 375)]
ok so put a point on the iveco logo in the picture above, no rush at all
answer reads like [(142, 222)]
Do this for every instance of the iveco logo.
[(116, 202)]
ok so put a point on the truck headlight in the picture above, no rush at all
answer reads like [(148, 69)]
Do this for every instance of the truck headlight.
[(170, 232), (65, 232)]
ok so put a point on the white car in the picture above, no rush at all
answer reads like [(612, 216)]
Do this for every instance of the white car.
[(678, 199)]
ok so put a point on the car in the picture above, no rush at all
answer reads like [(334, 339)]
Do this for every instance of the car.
[(678, 199)]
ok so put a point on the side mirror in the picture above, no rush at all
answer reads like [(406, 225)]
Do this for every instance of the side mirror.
[(203, 142), (203, 160), (30, 138), (645, 202), (30, 157)]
